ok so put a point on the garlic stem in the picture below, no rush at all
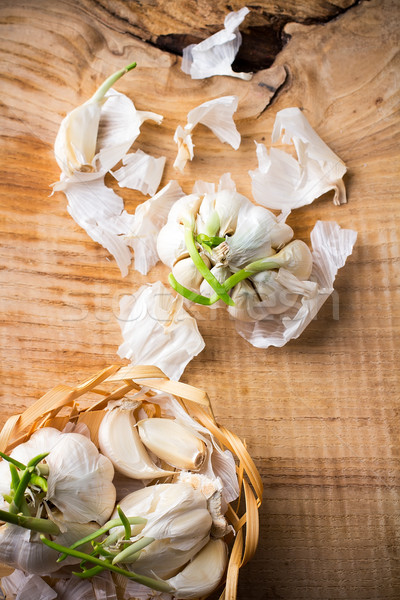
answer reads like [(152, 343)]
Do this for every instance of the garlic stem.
[(125, 522), (86, 573), (37, 459), (39, 481), (20, 491), (203, 269), (12, 461), (134, 548), (154, 584), (109, 82), (101, 531), (14, 478), (248, 271), (33, 523)]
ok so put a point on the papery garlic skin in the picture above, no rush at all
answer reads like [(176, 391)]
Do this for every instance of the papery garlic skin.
[(157, 330), (203, 573), (80, 479), (214, 55), (281, 181), (120, 442), (173, 443), (177, 519), (25, 586), (141, 172), (215, 114)]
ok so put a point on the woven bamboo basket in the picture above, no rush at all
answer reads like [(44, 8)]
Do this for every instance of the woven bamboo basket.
[(60, 406)]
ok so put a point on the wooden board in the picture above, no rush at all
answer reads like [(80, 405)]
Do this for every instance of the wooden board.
[(321, 415)]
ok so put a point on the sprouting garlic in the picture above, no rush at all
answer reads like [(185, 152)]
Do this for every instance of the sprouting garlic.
[(203, 573), (120, 442), (75, 145), (79, 479), (178, 521), (172, 442)]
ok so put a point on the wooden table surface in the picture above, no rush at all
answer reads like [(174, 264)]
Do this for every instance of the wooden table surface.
[(321, 415)]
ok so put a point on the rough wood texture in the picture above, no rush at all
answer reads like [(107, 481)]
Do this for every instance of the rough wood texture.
[(320, 416)]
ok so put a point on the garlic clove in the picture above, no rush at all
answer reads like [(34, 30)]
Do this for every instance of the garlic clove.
[(246, 303), (187, 274), (296, 258), (120, 442), (171, 244), (228, 204), (173, 442), (204, 572), (275, 297), (220, 272)]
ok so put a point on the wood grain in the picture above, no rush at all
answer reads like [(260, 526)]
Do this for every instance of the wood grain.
[(321, 415)]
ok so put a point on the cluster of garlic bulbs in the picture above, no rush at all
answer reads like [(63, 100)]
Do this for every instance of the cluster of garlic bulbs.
[(166, 537), (221, 237), (69, 493)]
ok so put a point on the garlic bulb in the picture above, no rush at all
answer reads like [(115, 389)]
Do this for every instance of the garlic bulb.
[(213, 240), (177, 519), (79, 479), (172, 442), (119, 441), (203, 573)]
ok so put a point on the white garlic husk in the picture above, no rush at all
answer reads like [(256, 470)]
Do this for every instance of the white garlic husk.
[(203, 573), (119, 440), (177, 518), (172, 442), (79, 479), (22, 548), (274, 298)]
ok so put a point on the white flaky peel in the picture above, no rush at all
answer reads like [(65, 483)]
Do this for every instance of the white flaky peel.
[(91, 140), (215, 114), (141, 172), (215, 55), (146, 223), (157, 330), (285, 183)]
